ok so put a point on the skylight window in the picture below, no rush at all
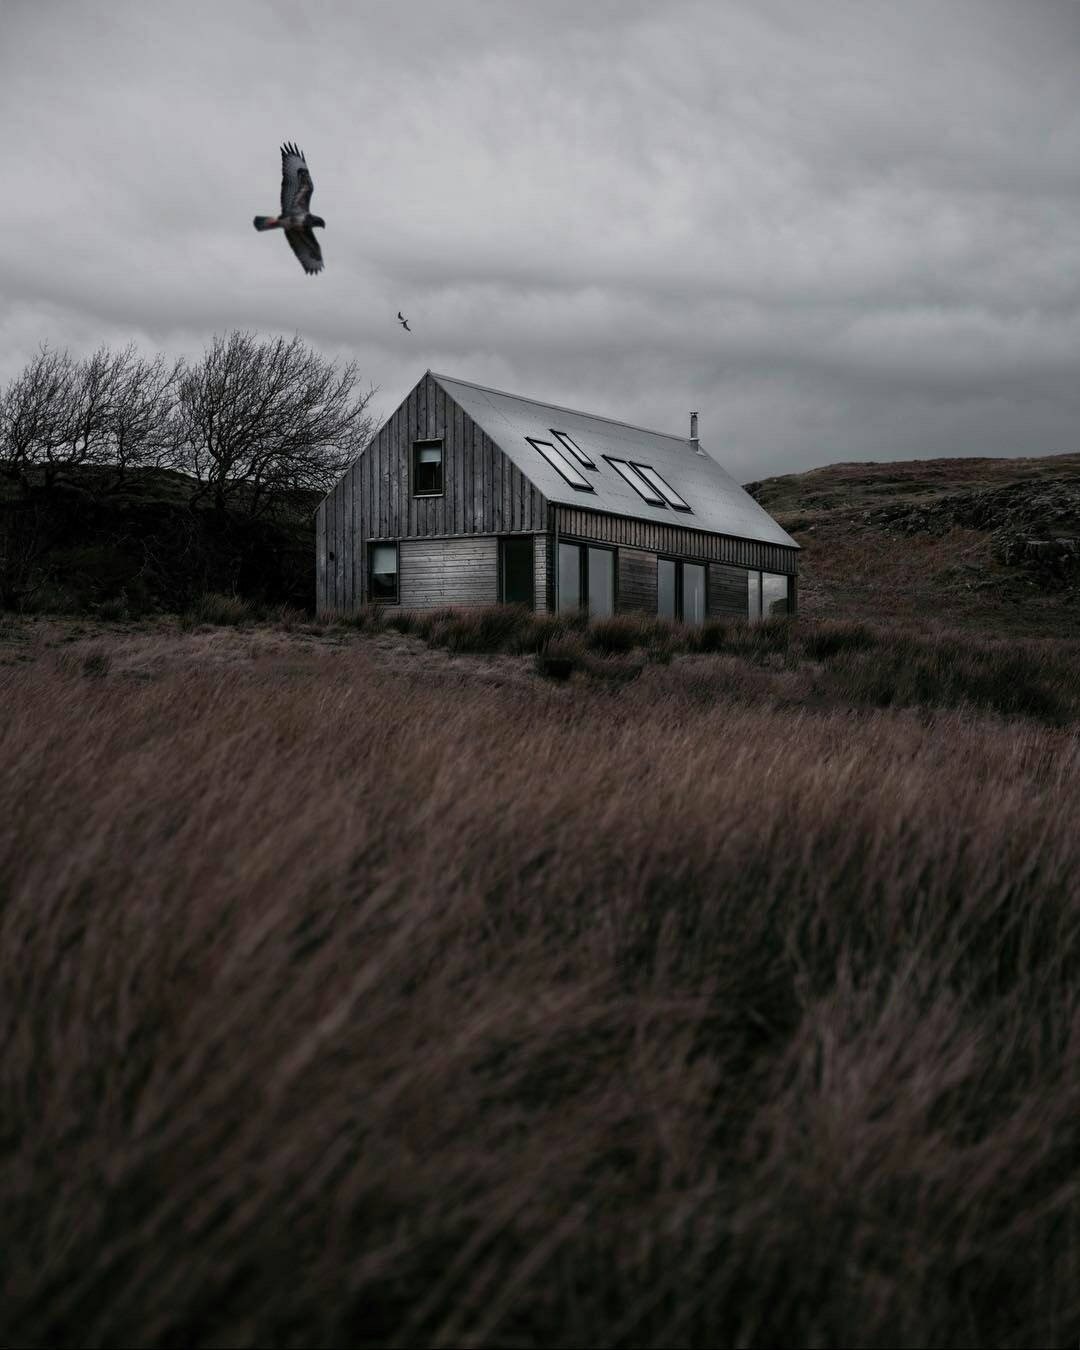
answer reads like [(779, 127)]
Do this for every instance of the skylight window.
[(561, 465), (641, 485), (665, 490), (568, 443)]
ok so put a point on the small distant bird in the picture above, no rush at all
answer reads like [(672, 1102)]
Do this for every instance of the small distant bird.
[(295, 219), (403, 321)]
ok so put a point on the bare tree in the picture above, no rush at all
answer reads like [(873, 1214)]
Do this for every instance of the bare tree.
[(139, 423), (36, 413), (261, 419), (91, 392)]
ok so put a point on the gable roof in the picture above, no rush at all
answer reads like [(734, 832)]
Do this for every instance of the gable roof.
[(718, 504)]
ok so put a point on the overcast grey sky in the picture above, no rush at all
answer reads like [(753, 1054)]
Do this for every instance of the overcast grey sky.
[(842, 230)]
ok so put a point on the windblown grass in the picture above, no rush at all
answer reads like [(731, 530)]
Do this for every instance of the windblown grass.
[(379, 1008)]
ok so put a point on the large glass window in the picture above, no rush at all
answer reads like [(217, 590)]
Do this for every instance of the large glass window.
[(601, 579), (587, 577), (667, 604), (569, 576), (383, 573), (427, 468), (517, 570), (753, 595), (768, 594), (680, 590), (774, 593), (559, 462), (693, 593)]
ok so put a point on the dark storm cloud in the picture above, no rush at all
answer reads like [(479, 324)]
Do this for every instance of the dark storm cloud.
[(840, 231)]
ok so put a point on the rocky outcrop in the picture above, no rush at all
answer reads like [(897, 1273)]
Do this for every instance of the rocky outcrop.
[(1034, 526)]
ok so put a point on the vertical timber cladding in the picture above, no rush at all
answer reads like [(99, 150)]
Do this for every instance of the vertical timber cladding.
[(483, 491), (676, 540), (320, 559)]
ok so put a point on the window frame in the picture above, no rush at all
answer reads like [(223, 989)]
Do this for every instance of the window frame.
[(672, 498), (583, 546), (679, 563), (762, 572), (560, 464), (425, 445), (373, 544), (567, 442), (620, 466), (504, 540)]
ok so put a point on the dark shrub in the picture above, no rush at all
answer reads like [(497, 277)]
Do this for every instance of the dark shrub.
[(829, 638), (558, 658), (709, 637), (622, 633)]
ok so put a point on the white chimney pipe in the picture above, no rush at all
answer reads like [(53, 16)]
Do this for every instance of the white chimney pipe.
[(693, 432)]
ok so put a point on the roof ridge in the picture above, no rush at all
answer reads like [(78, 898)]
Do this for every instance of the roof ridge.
[(558, 407)]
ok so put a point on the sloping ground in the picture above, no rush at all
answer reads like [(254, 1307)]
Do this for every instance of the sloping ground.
[(988, 544), (364, 994)]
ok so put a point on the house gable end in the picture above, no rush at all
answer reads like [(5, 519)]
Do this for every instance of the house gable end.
[(484, 492)]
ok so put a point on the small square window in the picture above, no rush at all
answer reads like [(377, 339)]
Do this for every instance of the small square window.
[(383, 573), (427, 468)]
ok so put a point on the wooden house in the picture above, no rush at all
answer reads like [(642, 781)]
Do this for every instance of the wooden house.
[(469, 496)]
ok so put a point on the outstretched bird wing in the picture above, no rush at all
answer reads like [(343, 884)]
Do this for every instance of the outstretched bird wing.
[(306, 247), (401, 316), (296, 182), (405, 325)]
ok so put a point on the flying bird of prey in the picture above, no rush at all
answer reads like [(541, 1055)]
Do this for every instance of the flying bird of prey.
[(295, 219), (403, 321)]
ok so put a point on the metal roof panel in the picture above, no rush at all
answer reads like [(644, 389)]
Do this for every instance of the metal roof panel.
[(718, 503)]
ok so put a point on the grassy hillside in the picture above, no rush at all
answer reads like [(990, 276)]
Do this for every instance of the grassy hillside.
[(990, 544)]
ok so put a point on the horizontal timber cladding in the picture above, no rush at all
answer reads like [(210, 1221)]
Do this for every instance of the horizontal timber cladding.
[(540, 573), (437, 572), (728, 592), (637, 581), (675, 540)]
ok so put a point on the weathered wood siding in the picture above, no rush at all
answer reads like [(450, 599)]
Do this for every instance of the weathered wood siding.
[(437, 572), (483, 494), (675, 540), (637, 581), (727, 592), (542, 571)]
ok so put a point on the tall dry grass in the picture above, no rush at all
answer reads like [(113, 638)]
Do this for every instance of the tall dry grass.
[(353, 1006)]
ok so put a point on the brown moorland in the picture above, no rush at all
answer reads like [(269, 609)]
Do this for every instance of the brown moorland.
[(365, 987)]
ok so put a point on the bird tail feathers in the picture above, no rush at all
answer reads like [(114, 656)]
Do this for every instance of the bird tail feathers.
[(265, 223)]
